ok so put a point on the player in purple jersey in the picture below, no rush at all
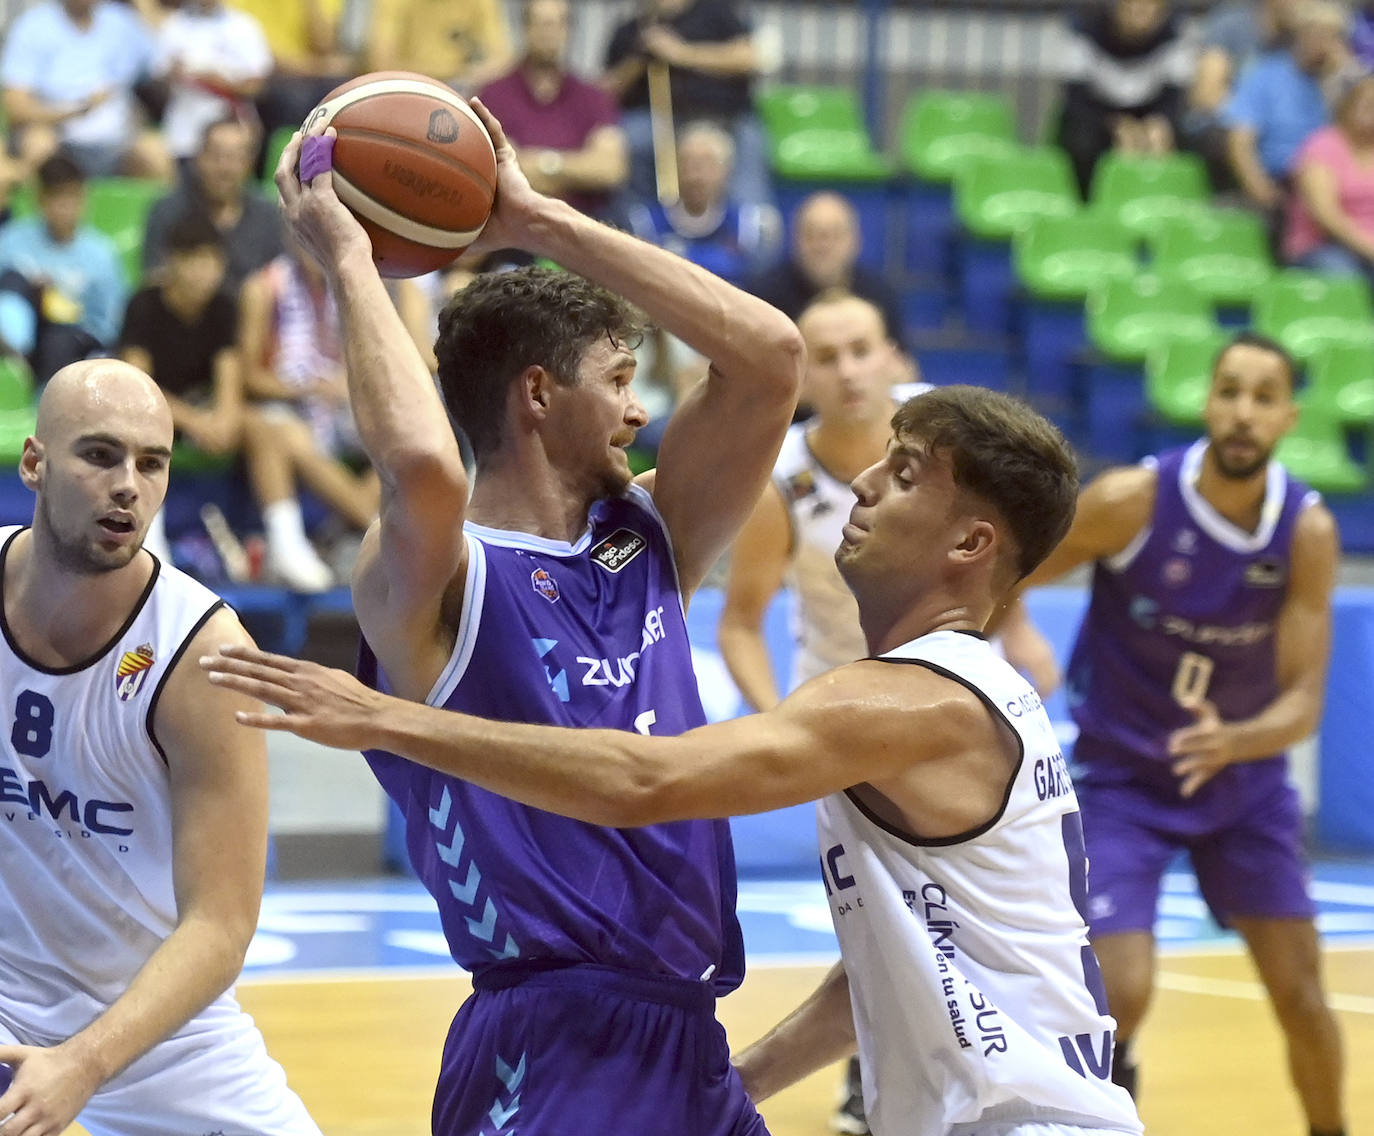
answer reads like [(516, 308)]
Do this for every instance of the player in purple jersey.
[(554, 592), (1202, 657)]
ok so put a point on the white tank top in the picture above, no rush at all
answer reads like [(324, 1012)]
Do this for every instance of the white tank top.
[(825, 620), (85, 812), (976, 996)]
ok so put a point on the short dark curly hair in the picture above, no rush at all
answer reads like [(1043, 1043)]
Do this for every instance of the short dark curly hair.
[(504, 322)]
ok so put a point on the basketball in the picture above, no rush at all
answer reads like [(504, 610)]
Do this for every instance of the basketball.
[(413, 163)]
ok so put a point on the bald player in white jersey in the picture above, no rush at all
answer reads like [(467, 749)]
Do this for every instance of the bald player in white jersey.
[(951, 847), (133, 815)]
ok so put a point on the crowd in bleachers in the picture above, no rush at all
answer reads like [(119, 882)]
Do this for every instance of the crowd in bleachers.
[(1189, 159)]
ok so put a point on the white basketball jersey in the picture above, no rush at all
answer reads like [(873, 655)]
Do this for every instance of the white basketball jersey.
[(825, 621), (977, 999), (85, 813)]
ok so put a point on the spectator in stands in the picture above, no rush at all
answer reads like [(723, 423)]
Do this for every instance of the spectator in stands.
[(1280, 101), (308, 60), (567, 131), (183, 331), (1126, 68), (297, 393), (1331, 214), (1232, 34), (709, 51), (215, 60), (728, 238), (466, 44), (825, 252), (221, 186), (69, 70), (61, 286)]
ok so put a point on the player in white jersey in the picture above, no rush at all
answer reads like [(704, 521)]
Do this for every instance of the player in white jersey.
[(951, 847), (791, 536), (133, 817)]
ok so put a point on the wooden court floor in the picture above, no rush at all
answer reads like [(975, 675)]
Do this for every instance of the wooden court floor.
[(363, 1052)]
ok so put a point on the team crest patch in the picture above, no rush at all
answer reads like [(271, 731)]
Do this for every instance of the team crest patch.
[(133, 668), (1264, 574), (619, 549), (544, 584)]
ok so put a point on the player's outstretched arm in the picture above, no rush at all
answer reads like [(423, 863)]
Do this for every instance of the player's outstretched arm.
[(817, 1033), (719, 449), (218, 782), (417, 549), (758, 562), (866, 722), (1302, 651)]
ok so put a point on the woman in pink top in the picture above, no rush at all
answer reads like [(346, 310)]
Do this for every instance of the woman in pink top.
[(1331, 218)]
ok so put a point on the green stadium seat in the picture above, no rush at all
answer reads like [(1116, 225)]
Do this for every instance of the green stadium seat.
[(1143, 193), (1306, 311), (1224, 254), (1068, 258), (1340, 382), (787, 109), (818, 134), (16, 384), (15, 426), (119, 207), (24, 200), (941, 130), (1127, 316), (188, 459), (1315, 451), (997, 197), (271, 154), (1178, 373)]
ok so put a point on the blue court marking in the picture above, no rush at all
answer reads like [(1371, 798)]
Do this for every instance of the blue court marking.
[(392, 924)]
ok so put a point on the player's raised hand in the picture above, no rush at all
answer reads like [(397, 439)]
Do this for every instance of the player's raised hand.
[(50, 1087), (1203, 749), (321, 704), (516, 205), (314, 215)]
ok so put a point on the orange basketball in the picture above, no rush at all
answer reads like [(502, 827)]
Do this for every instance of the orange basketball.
[(413, 163)]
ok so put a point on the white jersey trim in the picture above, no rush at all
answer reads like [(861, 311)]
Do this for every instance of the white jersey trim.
[(1213, 523), (469, 622), (170, 669)]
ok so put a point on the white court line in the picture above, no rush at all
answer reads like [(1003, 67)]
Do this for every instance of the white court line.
[(1252, 991)]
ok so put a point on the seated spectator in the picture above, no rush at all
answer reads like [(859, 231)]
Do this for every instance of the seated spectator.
[(61, 286), (1331, 214), (1280, 101), (215, 60), (1232, 34), (297, 393), (183, 331), (220, 185), (464, 44), (308, 60), (732, 240), (69, 70), (709, 52), (566, 130), (1125, 68), (825, 250)]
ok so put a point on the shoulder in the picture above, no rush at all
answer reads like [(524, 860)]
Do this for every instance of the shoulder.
[(1315, 526)]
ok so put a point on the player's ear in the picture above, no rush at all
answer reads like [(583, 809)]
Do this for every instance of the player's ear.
[(29, 461), (535, 389), (977, 542)]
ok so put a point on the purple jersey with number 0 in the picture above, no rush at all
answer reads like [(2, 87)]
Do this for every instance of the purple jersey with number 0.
[(588, 634), (1188, 609)]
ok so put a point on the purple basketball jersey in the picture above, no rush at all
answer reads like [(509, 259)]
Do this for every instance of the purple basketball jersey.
[(587, 634), (1187, 610)]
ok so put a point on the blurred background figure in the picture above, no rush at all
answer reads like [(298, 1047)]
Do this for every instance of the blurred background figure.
[(566, 129), (220, 185), (1331, 214), (733, 239), (61, 286), (216, 61), (466, 44), (69, 69), (1281, 100), (709, 51), (308, 56), (1126, 68)]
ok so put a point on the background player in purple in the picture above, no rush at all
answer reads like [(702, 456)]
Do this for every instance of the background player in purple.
[(1202, 657), (555, 594)]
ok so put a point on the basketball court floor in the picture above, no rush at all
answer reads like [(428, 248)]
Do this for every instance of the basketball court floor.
[(352, 986)]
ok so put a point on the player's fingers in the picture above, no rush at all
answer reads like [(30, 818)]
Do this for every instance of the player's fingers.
[(260, 720), (489, 120), (258, 656), (264, 690), (288, 184)]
